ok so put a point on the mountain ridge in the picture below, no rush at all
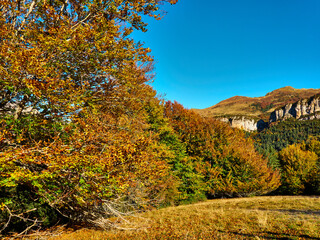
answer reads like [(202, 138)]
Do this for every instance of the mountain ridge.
[(257, 107)]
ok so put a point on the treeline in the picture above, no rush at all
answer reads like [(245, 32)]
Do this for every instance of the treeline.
[(83, 136), (293, 148), (161, 154), (219, 157), (287, 133)]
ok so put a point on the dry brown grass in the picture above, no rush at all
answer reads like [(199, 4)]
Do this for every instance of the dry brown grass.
[(245, 218)]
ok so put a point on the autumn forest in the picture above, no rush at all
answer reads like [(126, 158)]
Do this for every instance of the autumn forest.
[(84, 137)]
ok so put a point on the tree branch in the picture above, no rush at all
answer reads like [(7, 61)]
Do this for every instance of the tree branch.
[(27, 15), (63, 7), (7, 223), (82, 21)]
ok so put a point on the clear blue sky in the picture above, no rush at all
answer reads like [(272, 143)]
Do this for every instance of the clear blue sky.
[(209, 50)]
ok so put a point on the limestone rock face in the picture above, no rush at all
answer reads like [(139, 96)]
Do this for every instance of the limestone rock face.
[(311, 117), (305, 109), (244, 123)]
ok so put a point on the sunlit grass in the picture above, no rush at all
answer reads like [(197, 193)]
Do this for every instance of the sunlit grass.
[(245, 218)]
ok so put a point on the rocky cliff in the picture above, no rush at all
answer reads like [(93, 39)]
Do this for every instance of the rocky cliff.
[(245, 123), (253, 114), (305, 109), (257, 107)]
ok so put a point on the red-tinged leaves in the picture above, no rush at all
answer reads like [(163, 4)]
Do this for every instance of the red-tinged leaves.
[(230, 168), (73, 96)]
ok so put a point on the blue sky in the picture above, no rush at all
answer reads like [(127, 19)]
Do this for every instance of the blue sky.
[(209, 50)]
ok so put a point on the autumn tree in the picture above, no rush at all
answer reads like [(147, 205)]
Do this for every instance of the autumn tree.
[(227, 160), (189, 182), (300, 168), (75, 137)]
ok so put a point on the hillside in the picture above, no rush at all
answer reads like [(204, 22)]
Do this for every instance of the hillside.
[(257, 107), (285, 133), (245, 218)]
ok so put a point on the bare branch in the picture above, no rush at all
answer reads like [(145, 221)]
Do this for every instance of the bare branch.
[(27, 229), (20, 216), (82, 21), (63, 7), (9, 219), (27, 15)]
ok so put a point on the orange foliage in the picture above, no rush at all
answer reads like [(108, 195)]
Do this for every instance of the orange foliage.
[(74, 129), (228, 160)]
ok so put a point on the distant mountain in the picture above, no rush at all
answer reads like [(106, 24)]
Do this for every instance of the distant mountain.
[(304, 109), (257, 107), (256, 113)]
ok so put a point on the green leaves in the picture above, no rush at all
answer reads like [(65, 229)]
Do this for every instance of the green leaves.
[(227, 168), (88, 139)]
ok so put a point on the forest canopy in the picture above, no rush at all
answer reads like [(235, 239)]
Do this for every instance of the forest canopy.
[(83, 135)]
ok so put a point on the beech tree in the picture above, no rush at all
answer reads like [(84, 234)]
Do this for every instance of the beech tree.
[(75, 140), (219, 155), (59, 56), (83, 136), (300, 168)]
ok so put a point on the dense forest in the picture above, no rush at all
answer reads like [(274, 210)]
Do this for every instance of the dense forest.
[(83, 136), (287, 132), (293, 148)]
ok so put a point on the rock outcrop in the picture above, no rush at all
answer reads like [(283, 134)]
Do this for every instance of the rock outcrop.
[(256, 114), (245, 123), (257, 107), (305, 109)]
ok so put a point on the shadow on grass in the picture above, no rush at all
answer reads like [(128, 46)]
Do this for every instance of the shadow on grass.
[(290, 211), (270, 235)]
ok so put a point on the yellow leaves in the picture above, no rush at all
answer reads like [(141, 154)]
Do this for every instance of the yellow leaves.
[(296, 158), (2, 206), (80, 200), (88, 82)]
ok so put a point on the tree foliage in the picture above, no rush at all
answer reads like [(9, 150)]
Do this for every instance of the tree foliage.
[(83, 137), (285, 133), (301, 168), (292, 148), (73, 96), (229, 168)]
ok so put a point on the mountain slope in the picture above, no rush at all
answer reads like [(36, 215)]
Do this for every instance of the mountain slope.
[(257, 107), (304, 109)]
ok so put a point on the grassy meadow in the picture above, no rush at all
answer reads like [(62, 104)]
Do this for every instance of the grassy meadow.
[(276, 217)]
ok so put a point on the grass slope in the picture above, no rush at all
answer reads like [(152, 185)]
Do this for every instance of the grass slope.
[(279, 217), (259, 106)]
